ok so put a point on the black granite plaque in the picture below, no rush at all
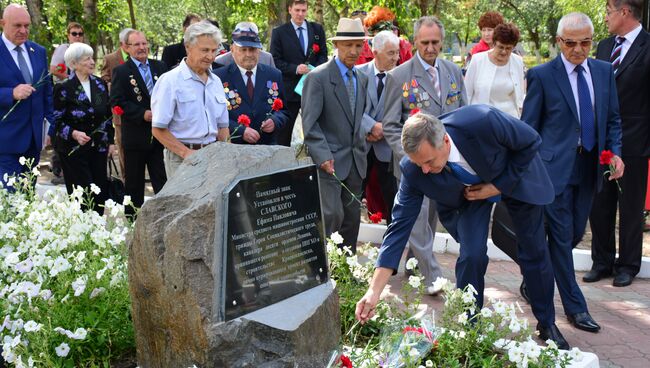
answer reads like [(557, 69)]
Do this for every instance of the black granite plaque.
[(275, 240)]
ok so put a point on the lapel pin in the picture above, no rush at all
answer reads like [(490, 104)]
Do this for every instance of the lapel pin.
[(31, 49)]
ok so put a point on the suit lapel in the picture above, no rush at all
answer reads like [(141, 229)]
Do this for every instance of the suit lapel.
[(155, 71), (5, 54), (261, 95), (135, 71), (240, 84), (78, 89), (633, 52), (340, 91), (294, 37), (372, 82), (565, 86), (38, 69), (360, 99), (598, 83), (470, 149)]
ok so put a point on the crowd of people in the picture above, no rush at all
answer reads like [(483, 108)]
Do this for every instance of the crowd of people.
[(421, 140)]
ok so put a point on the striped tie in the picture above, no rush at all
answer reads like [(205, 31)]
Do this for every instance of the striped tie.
[(616, 53)]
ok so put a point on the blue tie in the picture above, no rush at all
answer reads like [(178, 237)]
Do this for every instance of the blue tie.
[(588, 131), (147, 77), (22, 65), (302, 41), (468, 178)]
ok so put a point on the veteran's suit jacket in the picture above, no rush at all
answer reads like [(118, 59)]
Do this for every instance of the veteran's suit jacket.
[(267, 81), (633, 82), (25, 123), (287, 53), (332, 131), (398, 107), (129, 91), (375, 110), (500, 148), (550, 109)]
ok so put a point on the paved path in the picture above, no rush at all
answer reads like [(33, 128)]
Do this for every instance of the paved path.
[(623, 313)]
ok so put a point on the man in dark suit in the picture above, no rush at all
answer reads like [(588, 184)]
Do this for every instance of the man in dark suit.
[(252, 89), (23, 64), (293, 49), (572, 103), (465, 161), (131, 91), (173, 54), (332, 112), (629, 51)]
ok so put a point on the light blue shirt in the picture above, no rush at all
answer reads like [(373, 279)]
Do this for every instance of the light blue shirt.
[(305, 33), (142, 73), (344, 69), (14, 54), (191, 109)]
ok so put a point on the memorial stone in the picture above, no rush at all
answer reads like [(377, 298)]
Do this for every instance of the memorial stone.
[(227, 265)]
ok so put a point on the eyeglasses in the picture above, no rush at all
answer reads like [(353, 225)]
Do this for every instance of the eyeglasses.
[(77, 34), (609, 12), (144, 44), (359, 12), (571, 43)]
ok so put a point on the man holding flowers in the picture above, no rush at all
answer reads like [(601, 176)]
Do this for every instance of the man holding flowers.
[(253, 89)]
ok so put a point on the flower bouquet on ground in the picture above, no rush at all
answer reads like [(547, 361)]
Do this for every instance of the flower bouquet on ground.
[(407, 345)]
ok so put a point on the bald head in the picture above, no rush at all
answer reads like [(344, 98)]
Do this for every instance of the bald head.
[(15, 24)]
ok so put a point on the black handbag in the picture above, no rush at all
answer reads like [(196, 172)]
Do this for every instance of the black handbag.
[(115, 184), (503, 233)]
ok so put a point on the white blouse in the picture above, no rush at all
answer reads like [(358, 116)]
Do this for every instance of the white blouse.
[(501, 87)]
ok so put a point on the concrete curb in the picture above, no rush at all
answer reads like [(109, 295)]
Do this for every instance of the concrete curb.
[(445, 243)]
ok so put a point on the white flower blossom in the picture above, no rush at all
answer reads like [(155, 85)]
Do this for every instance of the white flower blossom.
[(31, 326), (24, 266), (515, 354), (62, 350), (462, 318), (411, 264), (486, 312), (60, 265), (336, 238), (441, 283), (79, 286), (95, 189), (96, 292), (127, 201), (415, 281), (36, 171), (428, 364), (514, 325), (79, 334), (550, 344), (22, 160), (576, 354)]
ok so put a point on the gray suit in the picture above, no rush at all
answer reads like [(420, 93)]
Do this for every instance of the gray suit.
[(380, 153), (227, 59), (398, 108), (333, 131)]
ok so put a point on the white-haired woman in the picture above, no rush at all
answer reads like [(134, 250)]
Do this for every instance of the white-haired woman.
[(84, 133)]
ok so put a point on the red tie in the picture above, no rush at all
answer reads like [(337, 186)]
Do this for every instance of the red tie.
[(249, 84)]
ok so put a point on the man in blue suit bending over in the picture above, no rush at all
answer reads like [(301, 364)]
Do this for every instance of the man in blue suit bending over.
[(466, 161), (572, 103), (23, 64)]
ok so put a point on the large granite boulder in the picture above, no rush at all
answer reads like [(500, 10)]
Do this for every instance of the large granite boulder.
[(175, 276)]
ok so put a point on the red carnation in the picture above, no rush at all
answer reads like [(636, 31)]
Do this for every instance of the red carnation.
[(315, 48), (346, 362), (244, 120), (277, 105), (61, 68), (414, 111), (606, 157), (118, 111), (376, 217)]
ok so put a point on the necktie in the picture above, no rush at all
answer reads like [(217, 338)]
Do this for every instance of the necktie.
[(615, 58), (22, 65), (380, 84), (349, 86), (147, 77), (588, 131), (249, 84), (302, 41), (467, 178), (434, 80)]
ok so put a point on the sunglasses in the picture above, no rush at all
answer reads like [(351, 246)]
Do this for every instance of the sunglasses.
[(77, 34), (359, 12), (572, 43)]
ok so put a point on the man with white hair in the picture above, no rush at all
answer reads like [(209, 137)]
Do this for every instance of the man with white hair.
[(185, 90), (573, 105), (385, 49), (25, 65)]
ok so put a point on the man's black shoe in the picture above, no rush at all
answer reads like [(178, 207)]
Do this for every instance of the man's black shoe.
[(523, 290), (583, 321), (553, 333), (623, 279), (595, 275)]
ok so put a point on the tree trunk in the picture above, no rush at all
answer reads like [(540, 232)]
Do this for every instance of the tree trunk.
[(40, 32), (278, 14), (131, 14), (90, 20), (318, 11)]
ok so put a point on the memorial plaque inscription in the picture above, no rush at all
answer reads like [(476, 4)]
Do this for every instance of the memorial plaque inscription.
[(275, 240)]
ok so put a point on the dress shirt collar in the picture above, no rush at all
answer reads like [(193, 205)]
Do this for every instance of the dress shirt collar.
[(10, 45), (243, 72), (570, 67), (137, 62), (295, 26), (631, 35), (456, 157), (343, 68), (426, 65), (188, 73), (376, 70)]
